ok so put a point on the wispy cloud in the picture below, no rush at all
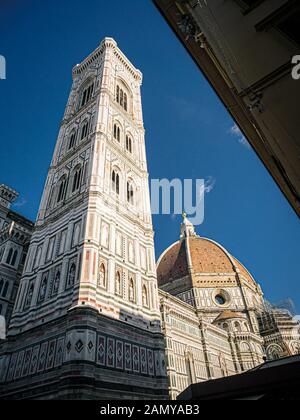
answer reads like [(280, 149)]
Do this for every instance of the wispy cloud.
[(20, 203), (209, 185), (236, 132)]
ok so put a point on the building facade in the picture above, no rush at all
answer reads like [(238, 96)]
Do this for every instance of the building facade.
[(87, 305), (248, 50), (15, 234), (215, 319)]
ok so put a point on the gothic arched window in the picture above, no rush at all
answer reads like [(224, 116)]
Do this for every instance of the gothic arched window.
[(117, 133), (87, 94), (84, 130), (72, 140), (129, 144), (62, 189), (122, 98), (130, 193), (77, 179), (118, 283), (14, 258), (102, 276), (115, 178), (9, 256), (145, 297)]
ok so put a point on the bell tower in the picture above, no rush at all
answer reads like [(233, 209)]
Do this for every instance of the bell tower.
[(89, 291)]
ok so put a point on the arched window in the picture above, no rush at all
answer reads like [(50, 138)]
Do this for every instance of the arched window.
[(131, 291), (84, 130), (115, 178), (62, 190), (130, 193), (118, 283), (9, 257), (86, 95), (1, 286), (122, 98), (14, 258), (77, 179), (128, 144), (102, 276), (145, 297), (5, 289), (117, 133), (72, 140)]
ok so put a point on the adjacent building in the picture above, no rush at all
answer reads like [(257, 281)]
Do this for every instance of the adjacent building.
[(15, 234), (247, 50)]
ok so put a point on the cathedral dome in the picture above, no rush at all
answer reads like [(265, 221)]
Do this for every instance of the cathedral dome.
[(197, 256)]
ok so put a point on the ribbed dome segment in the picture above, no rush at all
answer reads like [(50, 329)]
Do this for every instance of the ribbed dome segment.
[(206, 257)]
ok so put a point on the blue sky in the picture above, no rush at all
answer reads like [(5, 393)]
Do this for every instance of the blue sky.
[(188, 132)]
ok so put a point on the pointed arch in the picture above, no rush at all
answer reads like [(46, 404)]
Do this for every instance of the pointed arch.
[(62, 188), (102, 276), (131, 290), (72, 140), (84, 130), (145, 296), (77, 176)]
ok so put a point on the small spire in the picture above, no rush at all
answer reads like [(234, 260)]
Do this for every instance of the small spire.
[(187, 228)]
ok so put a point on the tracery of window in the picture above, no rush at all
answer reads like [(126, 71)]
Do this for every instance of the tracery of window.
[(115, 178), (129, 144), (87, 95), (77, 179), (122, 98), (117, 133), (62, 189)]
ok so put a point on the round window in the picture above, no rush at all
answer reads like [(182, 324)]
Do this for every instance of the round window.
[(220, 299)]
